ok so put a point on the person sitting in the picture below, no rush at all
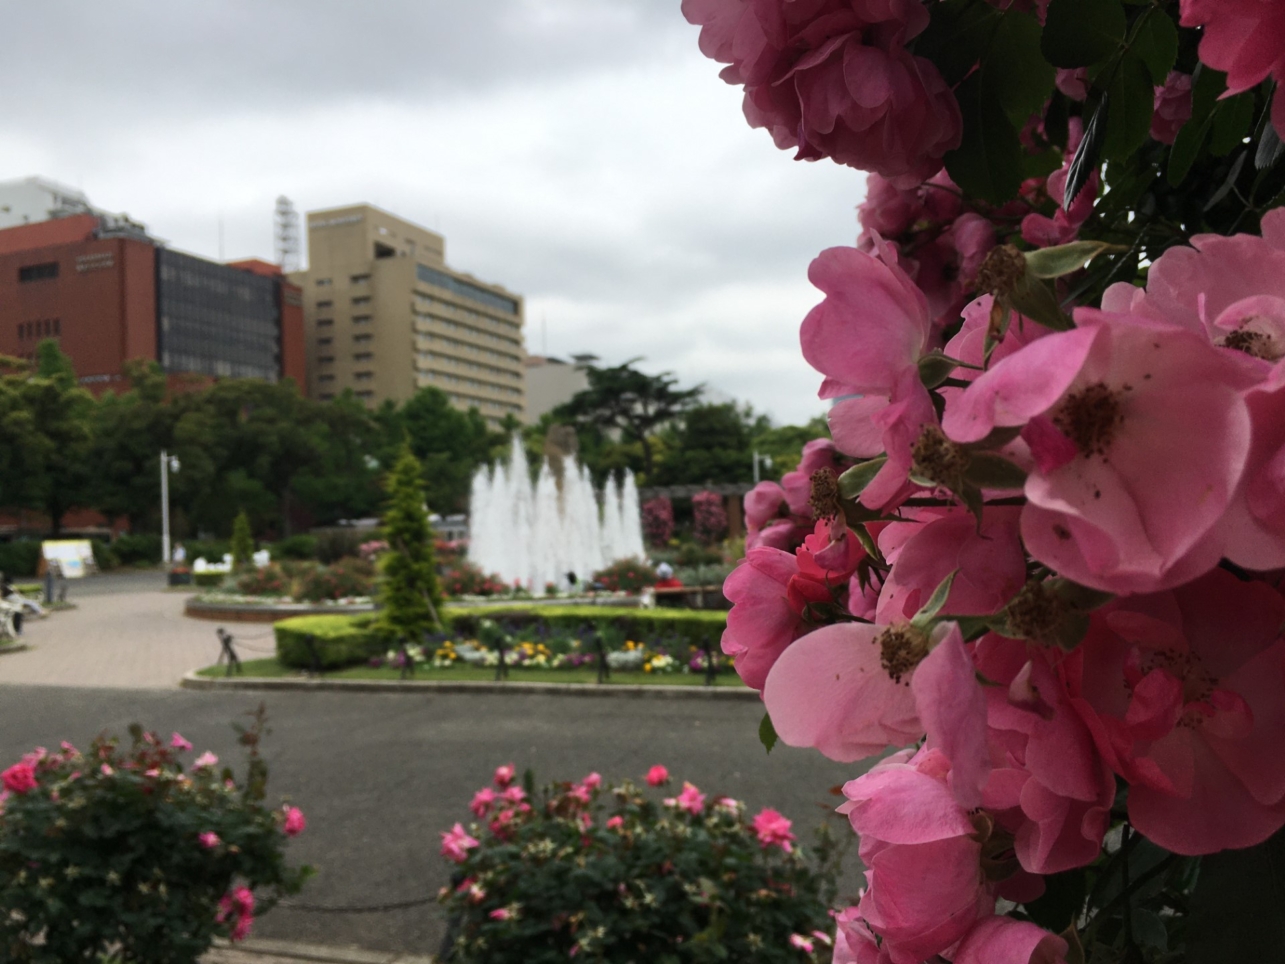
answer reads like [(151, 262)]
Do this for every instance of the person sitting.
[(665, 577)]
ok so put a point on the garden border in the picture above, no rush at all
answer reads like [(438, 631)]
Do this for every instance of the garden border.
[(266, 613), (655, 691)]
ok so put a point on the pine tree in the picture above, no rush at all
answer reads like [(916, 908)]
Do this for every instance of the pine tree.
[(242, 541), (409, 592)]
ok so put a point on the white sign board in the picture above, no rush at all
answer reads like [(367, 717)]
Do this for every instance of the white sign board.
[(75, 557)]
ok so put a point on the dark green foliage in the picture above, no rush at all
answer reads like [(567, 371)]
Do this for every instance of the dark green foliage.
[(20, 558), (335, 544), (137, 550), (108, 865), (1238, 908), (710, 444), (104, 556), (665, 886), (295, 547), (409, 593), (242, 547)]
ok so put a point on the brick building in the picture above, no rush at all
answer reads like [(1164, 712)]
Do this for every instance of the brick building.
[(109, 293)]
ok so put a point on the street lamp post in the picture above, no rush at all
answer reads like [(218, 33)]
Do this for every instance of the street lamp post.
[(169, 463)]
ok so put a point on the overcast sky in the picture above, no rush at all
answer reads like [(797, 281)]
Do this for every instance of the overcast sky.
[(580, 152)]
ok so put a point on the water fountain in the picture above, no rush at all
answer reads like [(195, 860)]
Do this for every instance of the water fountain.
[(535, 535)]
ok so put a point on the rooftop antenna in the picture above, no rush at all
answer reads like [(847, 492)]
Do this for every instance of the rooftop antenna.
[(286, 222)]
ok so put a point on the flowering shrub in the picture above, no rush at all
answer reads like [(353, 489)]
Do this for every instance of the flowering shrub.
[(464, 578), (658, 521), (268, 581), (583, 871), (371, 550), (626, 575), (709, 518), (340, 580), (1052, 574), (127, 853)]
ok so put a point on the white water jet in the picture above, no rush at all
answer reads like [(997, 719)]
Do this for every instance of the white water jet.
[(539, 535)]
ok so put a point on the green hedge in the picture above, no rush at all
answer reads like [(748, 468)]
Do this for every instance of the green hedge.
[(351, 640), (340, 640), (208, 579), (134, 550), (19, 558)]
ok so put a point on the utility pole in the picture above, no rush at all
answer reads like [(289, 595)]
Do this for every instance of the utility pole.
[(168, 463)]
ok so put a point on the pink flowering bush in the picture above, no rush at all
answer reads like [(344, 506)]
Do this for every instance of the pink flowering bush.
[(595, 871), (128, 852), (709, 518), (1036, 572), (658, 521)]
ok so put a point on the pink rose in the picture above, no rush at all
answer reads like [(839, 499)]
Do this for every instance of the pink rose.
[(833, 78), (504, 775), (1172, 107), (19, 778), (206, 759), (501, 913), (1245, 39), (773, 830), (1181, 691), (482, 802), (615, 823), (657, 776), (294, 824), (691, 799), (593, 781), (238, 907), (799, 942), (456, 843), (209, 840), (178, 743)]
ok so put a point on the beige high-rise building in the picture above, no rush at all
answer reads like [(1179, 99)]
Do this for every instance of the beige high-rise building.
[(384, 316)]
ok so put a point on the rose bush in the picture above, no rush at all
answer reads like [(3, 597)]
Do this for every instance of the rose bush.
[(127, 853), (597, 872), (1042, 560)]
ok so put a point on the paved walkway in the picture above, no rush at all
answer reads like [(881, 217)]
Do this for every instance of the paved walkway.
[(134, 639)]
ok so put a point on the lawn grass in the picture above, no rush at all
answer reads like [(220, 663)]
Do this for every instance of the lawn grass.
[(272, 669)]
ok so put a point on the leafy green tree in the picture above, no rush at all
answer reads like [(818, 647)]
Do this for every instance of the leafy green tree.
[(783, 444), (242, 541), (710, 444), (623, 399), (409, 591), (129, 431)]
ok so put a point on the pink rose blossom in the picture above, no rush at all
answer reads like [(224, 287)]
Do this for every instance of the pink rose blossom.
[(1074, 82), (68, 749), (206, 759), (1181, 691), (691, 799), (237, 906), (504, 775), (209, 840), (615, 823), (106, 770), (294, 823), (830, 690), (773, 830), (579, 793), (833, 79), (593, 781), (482, 802), (799, 942), (1140, 436), (178, 743), (657, 776), (1003, 940), (501, 913), (854, 943), (456, 843), (514, 794), (1245, 39), (19, 778), (1064, 226), (1172, 107)]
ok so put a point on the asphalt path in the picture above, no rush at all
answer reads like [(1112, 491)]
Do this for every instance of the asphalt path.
[(379, 776)]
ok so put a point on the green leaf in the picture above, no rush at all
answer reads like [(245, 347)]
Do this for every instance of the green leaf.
[(1233, 119), (935, 602), (987, 163), (1207, 86), (767, 733), (1036, 300), (1065, 258), (989, 471), (1079, 33), (1014, 70), (957, 37), (1087, 155), (1156, 42), (854, 481), (1236, 907), (1132, 99), (935, 368)]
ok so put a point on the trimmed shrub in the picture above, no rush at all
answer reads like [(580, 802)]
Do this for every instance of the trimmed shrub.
[(295, 547), (211, 550), (709, 518), (347, 577), (20, 558), (626, 575), (242, 540), (142, 549), (340, 640), (464, 578), (104, 558), (268, 581), (658, 521), (337, 544), (208, 580)]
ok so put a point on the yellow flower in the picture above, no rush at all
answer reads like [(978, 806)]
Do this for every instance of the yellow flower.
[(646, 667)]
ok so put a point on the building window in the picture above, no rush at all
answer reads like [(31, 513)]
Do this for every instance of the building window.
[(365, 395), (363, 356), (362, 339), (361, 301), (325, 359), (323, 322), (325, 378), (325, 304), (361, 319), (323, 282), (358, 279), (38, 272), (322, 342), (363, 376)]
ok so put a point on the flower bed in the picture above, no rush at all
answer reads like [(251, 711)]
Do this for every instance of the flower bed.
[(580, 871), (127, 854)]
